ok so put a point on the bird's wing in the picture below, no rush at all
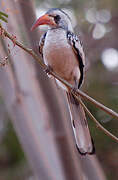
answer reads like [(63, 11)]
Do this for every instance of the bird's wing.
[(41, 43), (79, 121), (77, 47)]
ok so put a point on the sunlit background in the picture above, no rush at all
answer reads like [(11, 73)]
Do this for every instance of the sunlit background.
[(97, 23)]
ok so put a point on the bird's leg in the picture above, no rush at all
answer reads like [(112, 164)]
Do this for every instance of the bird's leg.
[(75, 87), (48, 69)]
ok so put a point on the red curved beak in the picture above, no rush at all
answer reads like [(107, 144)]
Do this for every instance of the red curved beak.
[(43, 20)]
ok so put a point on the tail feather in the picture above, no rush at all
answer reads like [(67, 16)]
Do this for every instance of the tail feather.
[(80, 126)]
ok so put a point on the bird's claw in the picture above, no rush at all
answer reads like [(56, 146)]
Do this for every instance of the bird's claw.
[(74, 89), (48, 70)]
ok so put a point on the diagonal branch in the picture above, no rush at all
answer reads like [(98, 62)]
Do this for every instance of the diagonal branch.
[(94, 119), (69, 86), (98, 104)]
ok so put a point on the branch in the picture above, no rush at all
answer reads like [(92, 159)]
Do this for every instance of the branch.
[(98, 104), (69, 86), (96, 122)]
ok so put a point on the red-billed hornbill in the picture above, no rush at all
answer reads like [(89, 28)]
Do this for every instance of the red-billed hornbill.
[(62, 50)]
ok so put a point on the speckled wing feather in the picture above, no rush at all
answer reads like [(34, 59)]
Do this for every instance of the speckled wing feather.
[(78, 118), (41, 43), (77, 47)]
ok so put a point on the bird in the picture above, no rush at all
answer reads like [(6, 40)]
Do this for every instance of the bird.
[(62, 52)]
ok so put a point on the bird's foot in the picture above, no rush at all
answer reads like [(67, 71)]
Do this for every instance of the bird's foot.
[(74, 89), (48, 69)]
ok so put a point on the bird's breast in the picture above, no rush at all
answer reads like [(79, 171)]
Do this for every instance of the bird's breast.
[(58, 53), (55, 43)]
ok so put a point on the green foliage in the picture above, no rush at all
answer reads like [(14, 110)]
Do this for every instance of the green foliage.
[(3, 16)]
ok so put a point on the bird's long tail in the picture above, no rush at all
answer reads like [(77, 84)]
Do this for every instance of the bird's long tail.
[(80, 126)]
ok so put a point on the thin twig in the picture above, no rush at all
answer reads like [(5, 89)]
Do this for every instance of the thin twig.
[(98, 104), (69, 86), (94, 119)]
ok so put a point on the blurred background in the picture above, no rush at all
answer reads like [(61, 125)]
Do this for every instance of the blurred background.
[(97, 24)]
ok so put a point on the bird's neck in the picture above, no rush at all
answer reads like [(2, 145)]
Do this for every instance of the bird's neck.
[(56, 37), (56, 33)]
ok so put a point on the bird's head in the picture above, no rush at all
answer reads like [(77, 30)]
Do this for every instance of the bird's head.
[(54, 18)]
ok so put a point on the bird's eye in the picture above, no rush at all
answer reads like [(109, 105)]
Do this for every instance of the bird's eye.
[(57, 18)]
